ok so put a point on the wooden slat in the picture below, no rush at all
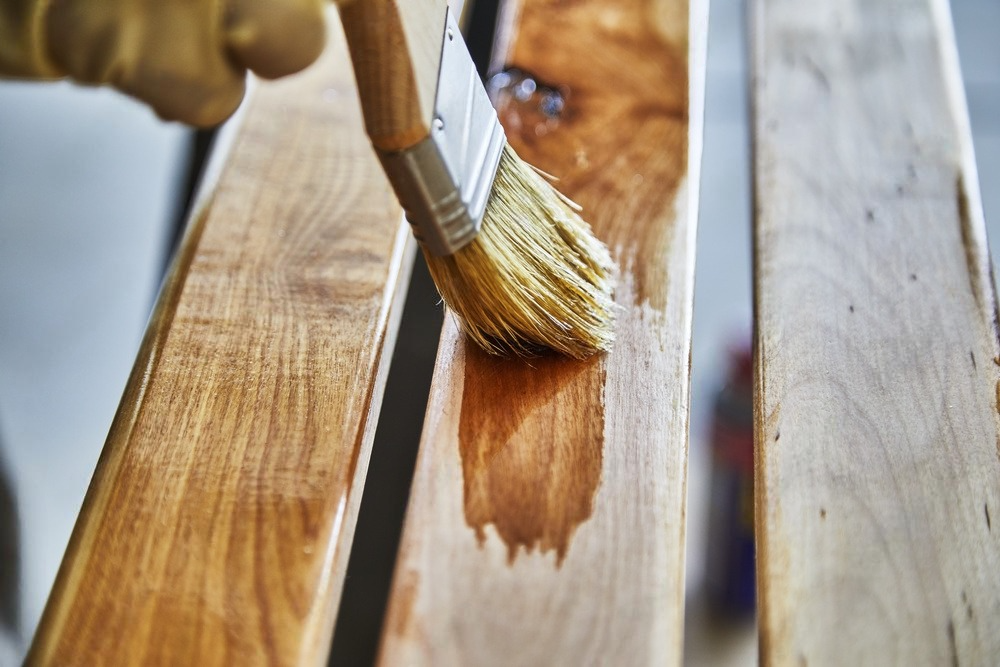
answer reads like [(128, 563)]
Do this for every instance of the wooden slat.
[(878, 361), (218, 525), (546, 520)]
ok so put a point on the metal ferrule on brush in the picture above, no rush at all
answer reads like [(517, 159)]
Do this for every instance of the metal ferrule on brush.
[(445, 180)]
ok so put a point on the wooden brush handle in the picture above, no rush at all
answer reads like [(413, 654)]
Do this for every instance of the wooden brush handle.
[(396, 50)]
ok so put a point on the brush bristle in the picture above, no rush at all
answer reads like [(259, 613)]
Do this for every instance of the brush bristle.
[(535, 277)]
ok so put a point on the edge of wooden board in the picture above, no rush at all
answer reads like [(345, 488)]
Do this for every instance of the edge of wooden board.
[(432, 619), (941, 637), (316, 627)]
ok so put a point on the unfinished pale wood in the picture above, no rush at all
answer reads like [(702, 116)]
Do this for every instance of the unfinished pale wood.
[(877, 356), (546, 520), (217, 527), (396, 49)]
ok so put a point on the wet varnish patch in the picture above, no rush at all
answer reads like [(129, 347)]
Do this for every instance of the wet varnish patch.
[(532, 469), (569, 118)]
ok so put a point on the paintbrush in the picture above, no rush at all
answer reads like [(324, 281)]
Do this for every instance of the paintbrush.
[(509, 254)]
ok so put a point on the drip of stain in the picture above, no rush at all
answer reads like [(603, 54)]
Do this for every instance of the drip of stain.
[(532, 469)]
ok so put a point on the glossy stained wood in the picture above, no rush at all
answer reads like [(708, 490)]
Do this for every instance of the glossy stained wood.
[(546, 520), (218, 524), (878, 361)]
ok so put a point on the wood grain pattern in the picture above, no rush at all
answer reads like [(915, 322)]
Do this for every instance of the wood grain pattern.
[(396, 49), (877, 356), (546, 521), (218, 524)]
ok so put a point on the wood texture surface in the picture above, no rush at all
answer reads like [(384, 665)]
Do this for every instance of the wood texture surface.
[(877, 356), (546, 521), (218, 524), (396, 49)]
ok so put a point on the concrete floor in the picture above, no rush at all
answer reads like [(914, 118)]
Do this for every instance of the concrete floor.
[(89, 183)]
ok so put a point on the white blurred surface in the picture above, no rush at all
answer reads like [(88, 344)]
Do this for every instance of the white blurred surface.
[(722, 311), (88, 187)]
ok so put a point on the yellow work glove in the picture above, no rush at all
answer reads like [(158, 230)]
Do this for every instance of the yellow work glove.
[(185, 58)]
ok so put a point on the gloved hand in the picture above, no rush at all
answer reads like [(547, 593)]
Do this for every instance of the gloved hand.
[(185, 58)]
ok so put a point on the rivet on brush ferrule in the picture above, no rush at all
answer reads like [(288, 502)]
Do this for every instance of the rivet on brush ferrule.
[(444, 181)]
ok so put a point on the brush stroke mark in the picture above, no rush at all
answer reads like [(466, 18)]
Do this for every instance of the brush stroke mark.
[(532, 468)]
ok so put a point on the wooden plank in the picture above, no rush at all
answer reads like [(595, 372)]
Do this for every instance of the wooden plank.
[(877, 356), (546, 520), (218, 525)]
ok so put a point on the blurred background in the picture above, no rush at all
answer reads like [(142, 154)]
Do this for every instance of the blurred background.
[(91, 189)]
